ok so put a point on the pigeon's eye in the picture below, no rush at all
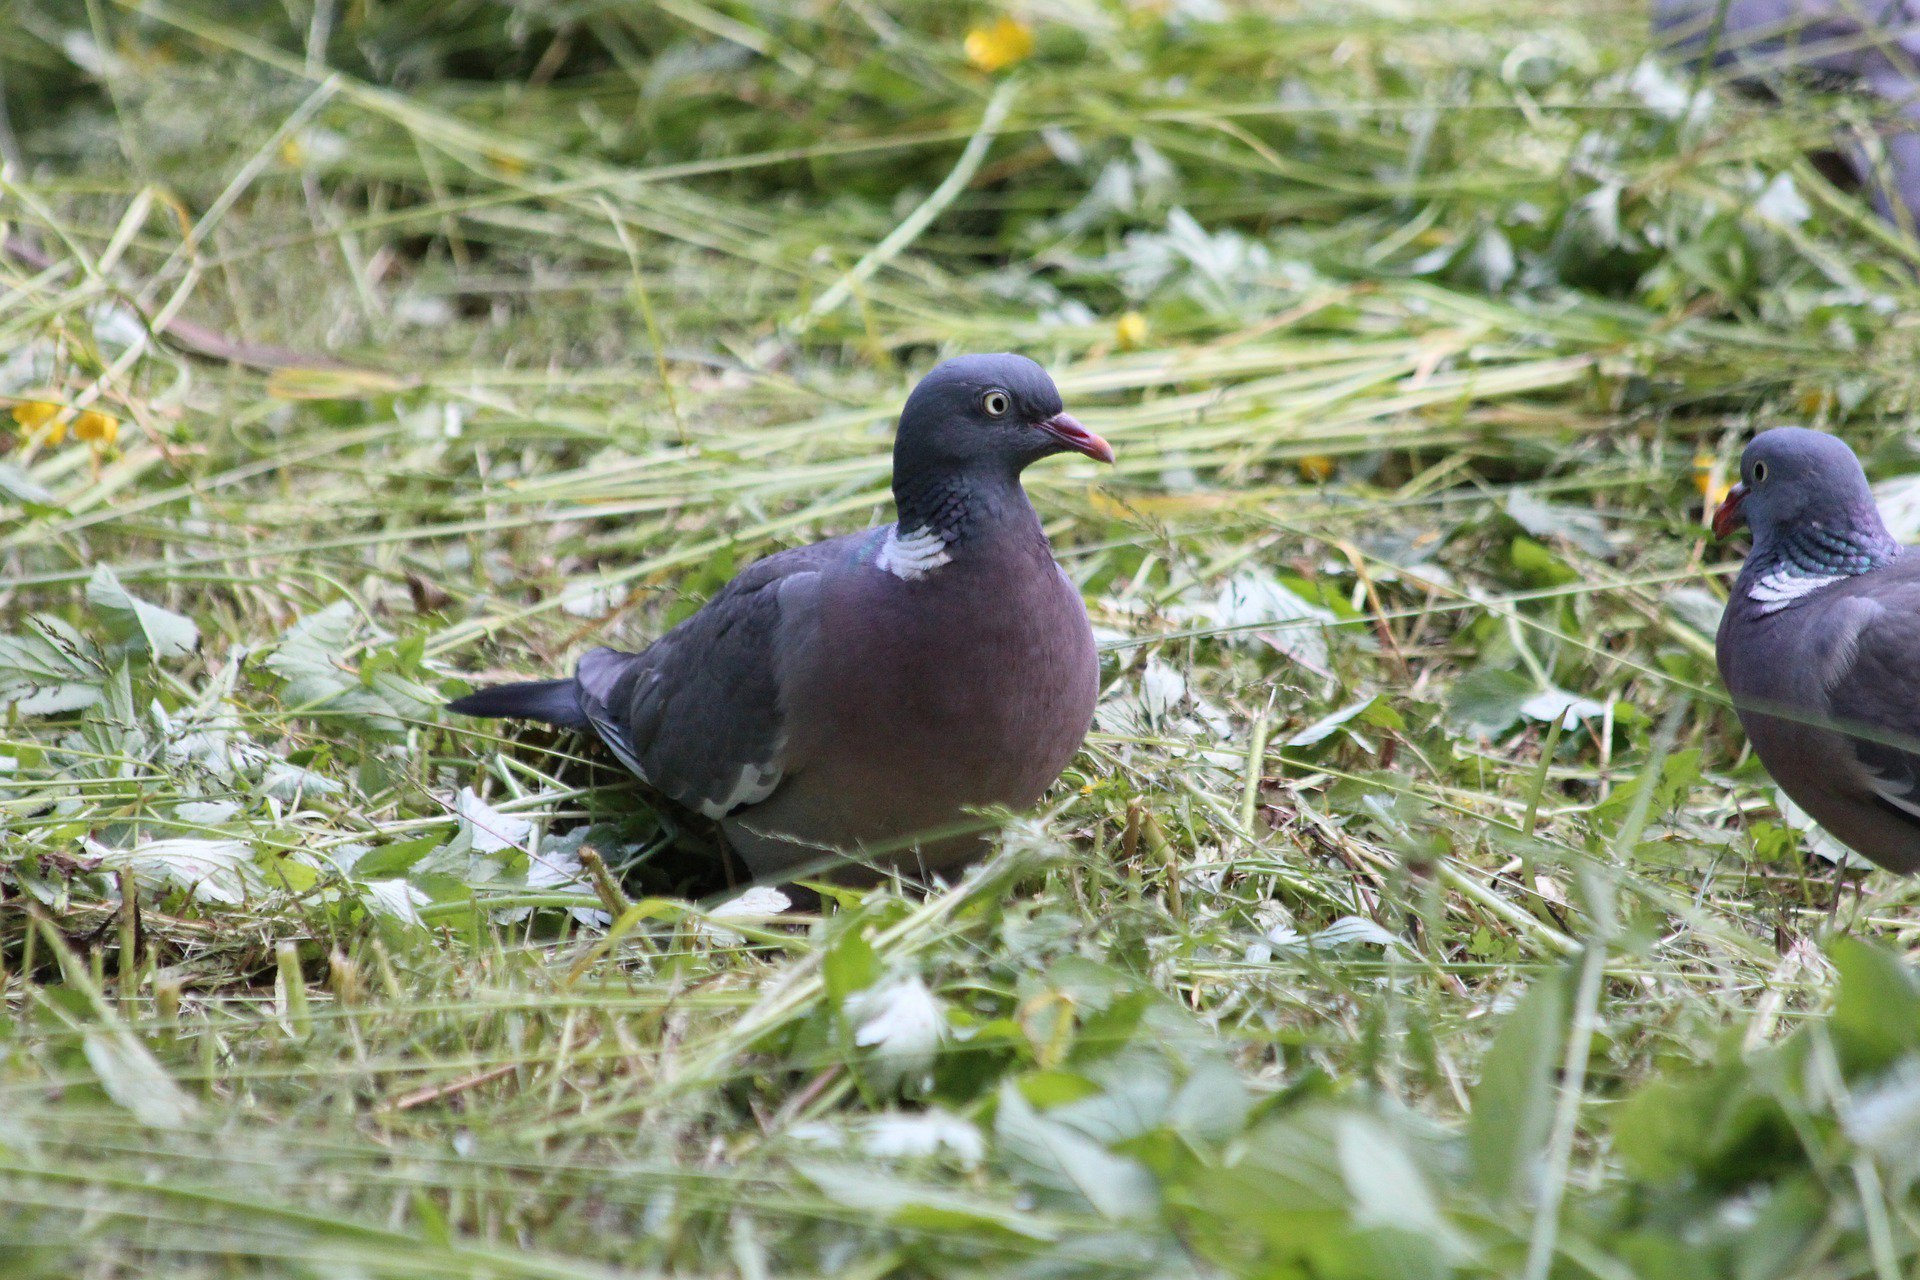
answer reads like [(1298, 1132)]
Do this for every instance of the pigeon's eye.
[(996, 403), (1759, 473)]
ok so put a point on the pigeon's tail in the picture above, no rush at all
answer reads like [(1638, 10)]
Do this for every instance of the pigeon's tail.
[(557, 702)]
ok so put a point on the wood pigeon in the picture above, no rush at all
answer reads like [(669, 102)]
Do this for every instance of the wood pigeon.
[(852, 699), (1869, 45), (1820, 644)]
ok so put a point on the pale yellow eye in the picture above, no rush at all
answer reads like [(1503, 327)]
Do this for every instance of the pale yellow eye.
[(1759, 473), (996, 403)]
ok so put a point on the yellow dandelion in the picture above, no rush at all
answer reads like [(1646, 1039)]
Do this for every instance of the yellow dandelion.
[(37, 416), (1317, 467), (1131, 330), (96, 427), (1000, 44), (1707, 479)]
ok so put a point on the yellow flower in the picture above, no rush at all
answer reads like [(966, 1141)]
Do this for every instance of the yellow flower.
[(1814, 401), (996, 47), (1317, 467), (96, 427), (1131, 330), (38, 415), (1706, 478), (292, 153), (506, 162)]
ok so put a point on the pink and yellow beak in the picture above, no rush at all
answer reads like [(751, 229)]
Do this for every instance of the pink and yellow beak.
[(1066, 428), (1727, 516)]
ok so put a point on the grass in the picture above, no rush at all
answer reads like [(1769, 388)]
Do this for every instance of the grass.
[(1415, 908)]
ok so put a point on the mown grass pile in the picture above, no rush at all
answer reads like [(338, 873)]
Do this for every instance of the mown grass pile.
[(1415, 909)]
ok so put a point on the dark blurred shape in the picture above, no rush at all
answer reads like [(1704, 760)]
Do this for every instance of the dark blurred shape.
[(1868, 45)]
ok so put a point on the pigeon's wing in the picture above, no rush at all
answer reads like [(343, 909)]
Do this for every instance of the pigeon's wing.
[(1873, 695), (701, 714)]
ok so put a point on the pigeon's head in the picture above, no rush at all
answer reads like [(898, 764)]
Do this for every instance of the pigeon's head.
[(991, 412), (1791, 477)]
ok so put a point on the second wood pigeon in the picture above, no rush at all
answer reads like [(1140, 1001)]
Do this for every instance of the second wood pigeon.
[(1820, 644), (854, 698), (1869, 45)]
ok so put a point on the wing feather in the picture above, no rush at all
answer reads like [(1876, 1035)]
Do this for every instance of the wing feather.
[(701, 714)]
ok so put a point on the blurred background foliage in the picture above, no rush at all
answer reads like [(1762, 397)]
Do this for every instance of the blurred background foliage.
[(1415, 909)]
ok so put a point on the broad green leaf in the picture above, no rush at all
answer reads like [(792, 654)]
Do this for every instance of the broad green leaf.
[(132, 1078), (1487, 700), (1051, 1157), (1513, 1101), (54, 669), (849, 964), (1538, 566), (213, 870), (308, 658), (24, 489), (1876, 1018), (136, 625), (1388, 1188), (889, 1197)]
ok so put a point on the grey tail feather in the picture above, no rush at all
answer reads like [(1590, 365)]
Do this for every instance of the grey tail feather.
[(557, 702)]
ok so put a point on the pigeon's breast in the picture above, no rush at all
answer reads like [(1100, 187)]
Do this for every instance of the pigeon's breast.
[(972, 686)]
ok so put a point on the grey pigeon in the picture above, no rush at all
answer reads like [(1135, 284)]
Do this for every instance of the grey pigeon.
[(1869, 45), (1820, 643), (855, 697)]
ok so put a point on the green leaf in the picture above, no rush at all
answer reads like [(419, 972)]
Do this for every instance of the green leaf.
[(28, 492), (1388, 1188), (1876, 1018), (1050, 1157), (1513, 1101), (1487, 701), (908, 1204), (53, 670), (137, 626), (308, 659), (1538, 566), (1328, 724), (850, 964), (1213, 1104), (133, 1079)]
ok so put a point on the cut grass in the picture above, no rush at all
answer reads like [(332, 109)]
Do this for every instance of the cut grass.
[(546, 325)]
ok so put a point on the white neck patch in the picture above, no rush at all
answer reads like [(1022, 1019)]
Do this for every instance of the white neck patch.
[(914, 556), (1776, 590)]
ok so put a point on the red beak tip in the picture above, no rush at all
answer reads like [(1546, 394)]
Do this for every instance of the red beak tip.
[(1065, 428), (1727, 516)]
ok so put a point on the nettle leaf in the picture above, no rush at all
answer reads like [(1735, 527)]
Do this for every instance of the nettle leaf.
[(886, 1195), (137, 626), (1387, 1187), (219, 871), (850, 964), (1490, 700), (28, 492), (1326, 726), (54, 669), (1513, 1103), (135, 1080), (308, 658), (1049, 1156), (1487, 701), (1538, 566), (1876, 1018), (1678, 774), (1299, 627)]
